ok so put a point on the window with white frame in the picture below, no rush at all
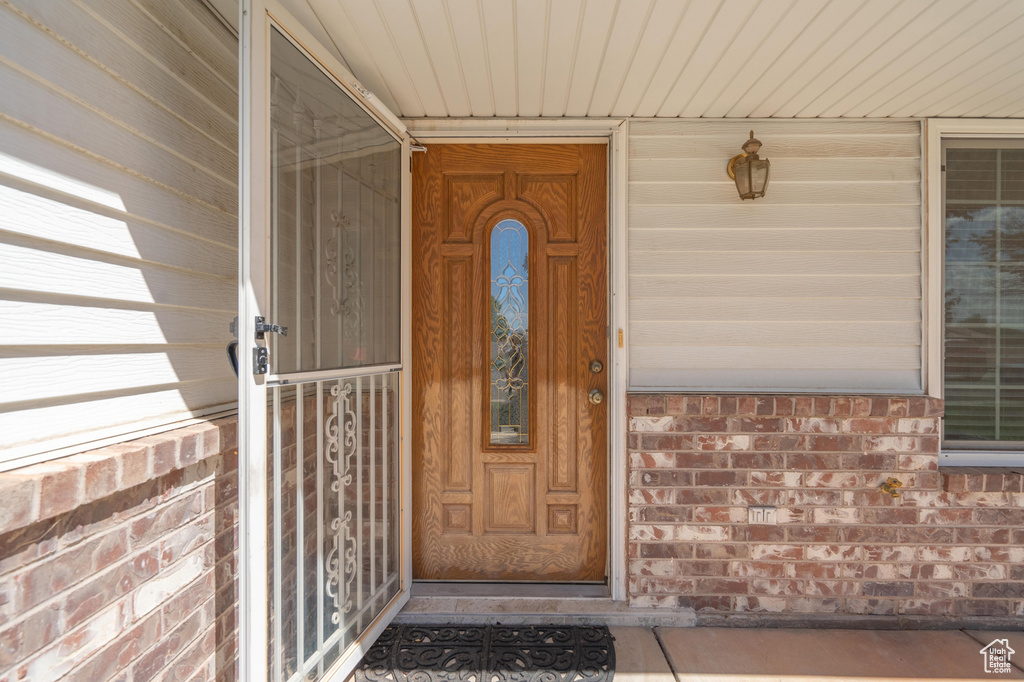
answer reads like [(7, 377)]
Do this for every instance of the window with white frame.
[(983, 323)]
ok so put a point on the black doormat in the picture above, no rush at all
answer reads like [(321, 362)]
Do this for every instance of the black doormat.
[(490, 653)]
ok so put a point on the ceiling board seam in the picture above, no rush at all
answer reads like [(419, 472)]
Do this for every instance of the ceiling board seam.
[(430, 57), (929, 57), (755, 252), (780, 275), (632, 55), (778, 183), (773, 62), (810, 58), (678, 232), (721, 54), (1001, 92), (998, 51), (458, 54), (919, 41), (376, 67), (337, 48), (696, 46), (398, 53), (996, 114), (849, 49), (867, 57), (604, 56), (544, 57), (692, 119), (661, 58), (764, 38), (515, 53), (994, 52), (575, 52), (487, 55), (1016, 91), (956, 57)]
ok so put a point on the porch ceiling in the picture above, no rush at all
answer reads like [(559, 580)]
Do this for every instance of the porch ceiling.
[(668, 58)]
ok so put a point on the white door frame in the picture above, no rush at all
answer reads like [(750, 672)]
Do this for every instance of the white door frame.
[(571, 131), (255, 20)]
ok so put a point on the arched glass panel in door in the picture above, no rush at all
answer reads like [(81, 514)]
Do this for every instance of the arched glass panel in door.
[(510, 333)]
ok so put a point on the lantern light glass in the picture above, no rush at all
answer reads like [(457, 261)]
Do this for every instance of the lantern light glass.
[(749, 170)]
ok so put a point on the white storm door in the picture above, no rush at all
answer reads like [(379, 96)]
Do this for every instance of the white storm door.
[(323, 336)]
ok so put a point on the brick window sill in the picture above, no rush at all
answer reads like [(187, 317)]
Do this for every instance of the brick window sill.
[(977, 479), (1002, 471), (43, 491)]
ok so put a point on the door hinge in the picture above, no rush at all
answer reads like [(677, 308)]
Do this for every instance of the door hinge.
[(260, 354), (262, 327)]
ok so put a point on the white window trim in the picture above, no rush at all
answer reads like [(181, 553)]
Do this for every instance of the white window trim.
[(574, 131), (937, 129)]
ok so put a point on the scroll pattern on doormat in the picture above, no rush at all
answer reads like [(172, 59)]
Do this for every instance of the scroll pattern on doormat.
[(490, 653)]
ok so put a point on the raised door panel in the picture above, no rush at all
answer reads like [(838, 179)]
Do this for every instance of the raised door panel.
[(556, 196), (458, 390), (465, 196), (563, 386), (509, 498)]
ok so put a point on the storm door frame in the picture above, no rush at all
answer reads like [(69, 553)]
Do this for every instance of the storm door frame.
[(256, 19)]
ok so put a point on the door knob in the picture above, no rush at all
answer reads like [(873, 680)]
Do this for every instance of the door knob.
[(596, 366), (596, 396)]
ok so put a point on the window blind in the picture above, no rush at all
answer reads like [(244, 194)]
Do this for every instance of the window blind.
[(984, 297)]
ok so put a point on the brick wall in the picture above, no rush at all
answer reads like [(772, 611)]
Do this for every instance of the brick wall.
[(949, 549), (119, 563)]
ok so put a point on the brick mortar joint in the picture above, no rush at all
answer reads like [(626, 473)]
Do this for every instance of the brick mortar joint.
[(183, 650), (154, 645), (154, 450), (131, 554), (783, 404)]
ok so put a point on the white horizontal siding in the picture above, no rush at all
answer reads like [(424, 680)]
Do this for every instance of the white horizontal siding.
[(816, 287), (118, 218)]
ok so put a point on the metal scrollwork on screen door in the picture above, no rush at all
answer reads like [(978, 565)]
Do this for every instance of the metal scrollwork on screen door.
[(339, 450)]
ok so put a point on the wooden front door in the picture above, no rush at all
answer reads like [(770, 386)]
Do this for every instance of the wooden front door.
[(509, 316)]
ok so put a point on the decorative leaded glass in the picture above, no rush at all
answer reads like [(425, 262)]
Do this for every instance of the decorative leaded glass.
[(510, 329)]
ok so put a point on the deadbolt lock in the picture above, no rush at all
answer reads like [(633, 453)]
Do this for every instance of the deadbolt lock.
[(596, 366)]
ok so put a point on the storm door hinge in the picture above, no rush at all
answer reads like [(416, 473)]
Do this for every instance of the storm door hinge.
[(260, 354), (262, 327)]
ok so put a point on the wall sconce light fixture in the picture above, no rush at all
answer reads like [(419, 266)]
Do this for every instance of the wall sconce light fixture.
[(749, 170)]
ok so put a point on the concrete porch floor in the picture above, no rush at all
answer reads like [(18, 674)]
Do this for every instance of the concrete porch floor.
[(660, 654)]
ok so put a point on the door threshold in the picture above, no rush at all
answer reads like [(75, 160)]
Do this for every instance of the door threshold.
[(518, 590), (533, 608)]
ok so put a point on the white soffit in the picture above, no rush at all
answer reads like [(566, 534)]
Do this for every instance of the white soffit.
[(689, 58)]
